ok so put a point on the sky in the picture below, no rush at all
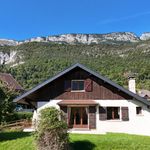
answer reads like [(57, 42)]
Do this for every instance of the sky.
[(23, 19)]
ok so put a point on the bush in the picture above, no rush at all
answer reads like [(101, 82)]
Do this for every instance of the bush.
[(23, 115), (52, 131), (18, 116)]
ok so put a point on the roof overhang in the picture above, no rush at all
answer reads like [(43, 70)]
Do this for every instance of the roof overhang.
[(78, 103)]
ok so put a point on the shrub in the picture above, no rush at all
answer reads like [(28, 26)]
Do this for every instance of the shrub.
[(52, 130), (18, 116), (23, 115)]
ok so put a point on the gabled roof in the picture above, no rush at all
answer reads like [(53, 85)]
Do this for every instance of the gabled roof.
[(10, 82), (135, 96)]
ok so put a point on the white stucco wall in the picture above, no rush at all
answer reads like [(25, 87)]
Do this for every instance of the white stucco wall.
[(137, 124)]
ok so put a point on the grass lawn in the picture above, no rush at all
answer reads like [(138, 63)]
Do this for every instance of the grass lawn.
[(16, 141), (24, 141)]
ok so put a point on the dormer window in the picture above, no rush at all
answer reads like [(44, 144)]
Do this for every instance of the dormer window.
[(77, 85)]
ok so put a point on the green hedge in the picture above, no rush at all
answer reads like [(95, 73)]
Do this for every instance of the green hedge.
[(19, 116), (23, 115)]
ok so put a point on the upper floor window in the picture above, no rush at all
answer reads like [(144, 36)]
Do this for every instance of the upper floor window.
[(138, 110), (83, 85), (77, 85)]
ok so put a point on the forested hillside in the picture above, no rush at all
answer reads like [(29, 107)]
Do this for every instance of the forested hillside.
[(115, 61)]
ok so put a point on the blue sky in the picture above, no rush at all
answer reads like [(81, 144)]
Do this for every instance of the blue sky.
[(23, 19)]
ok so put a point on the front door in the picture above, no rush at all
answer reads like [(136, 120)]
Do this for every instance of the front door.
[(78, 117)]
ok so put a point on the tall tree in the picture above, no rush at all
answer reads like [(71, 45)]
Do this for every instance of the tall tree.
[(6, 103)]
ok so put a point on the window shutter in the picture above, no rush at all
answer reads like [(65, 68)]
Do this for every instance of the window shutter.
[(92, 117), (67, 85), (88, 85), (125, 113), (102, 113)]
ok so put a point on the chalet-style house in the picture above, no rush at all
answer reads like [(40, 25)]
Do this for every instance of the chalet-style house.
[(8, 80), (144, 93), (91, 102)]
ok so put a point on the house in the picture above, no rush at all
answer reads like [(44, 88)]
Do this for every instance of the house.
[(144, 93), (10, 82), (91, 102)]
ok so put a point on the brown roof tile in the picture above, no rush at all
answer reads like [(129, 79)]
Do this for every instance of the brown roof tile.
[(10, 81)]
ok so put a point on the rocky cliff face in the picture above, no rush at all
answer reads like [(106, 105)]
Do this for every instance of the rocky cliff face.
[(7, 42), (90, 38), (12, 58), (93, 38), (145, 36), (79, 38), (6, 58)]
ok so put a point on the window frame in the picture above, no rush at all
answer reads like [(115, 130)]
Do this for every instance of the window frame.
[(78, 90), (119, 112), (141, 112)]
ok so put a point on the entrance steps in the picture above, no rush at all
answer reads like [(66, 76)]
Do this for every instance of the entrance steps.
[(28, 130), (74, 130)]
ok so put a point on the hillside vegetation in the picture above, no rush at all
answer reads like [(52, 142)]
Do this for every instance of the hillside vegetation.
[(115, 61)]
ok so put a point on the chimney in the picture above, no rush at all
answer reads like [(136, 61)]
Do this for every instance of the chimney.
[(131, 84)]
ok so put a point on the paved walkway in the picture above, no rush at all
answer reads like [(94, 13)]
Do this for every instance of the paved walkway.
[(85, 131), (78, 131)]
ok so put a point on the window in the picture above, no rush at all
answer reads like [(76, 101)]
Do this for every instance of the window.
[(138, 110), (113, 113), (77, 85)]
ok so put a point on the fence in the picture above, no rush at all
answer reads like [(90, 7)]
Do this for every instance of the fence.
[(24, 123)]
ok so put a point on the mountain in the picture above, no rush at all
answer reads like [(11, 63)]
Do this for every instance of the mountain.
[(94, 38), (4, 42), (145, 36), (33, 62), (79, 39)]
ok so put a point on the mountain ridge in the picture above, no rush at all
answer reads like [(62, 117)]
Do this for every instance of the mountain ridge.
[(33, 62), (79, 38)]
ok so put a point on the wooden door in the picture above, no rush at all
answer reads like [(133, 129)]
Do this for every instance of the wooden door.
[(78, 117)]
